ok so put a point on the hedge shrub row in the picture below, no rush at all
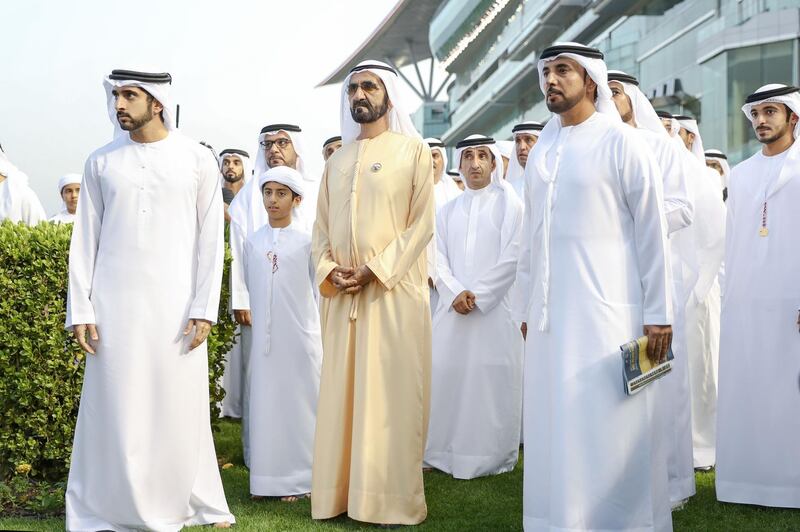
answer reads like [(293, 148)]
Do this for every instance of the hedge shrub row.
[(41, 365)]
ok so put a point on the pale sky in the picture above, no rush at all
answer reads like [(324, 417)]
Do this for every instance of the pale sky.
[(236, 66)]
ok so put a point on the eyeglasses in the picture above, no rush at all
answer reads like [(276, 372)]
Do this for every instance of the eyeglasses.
[(281, 143), (366, 86)]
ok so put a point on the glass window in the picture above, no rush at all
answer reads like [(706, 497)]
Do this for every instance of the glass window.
[(715, 113)]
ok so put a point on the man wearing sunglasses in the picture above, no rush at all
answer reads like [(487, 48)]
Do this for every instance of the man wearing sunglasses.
[(374, 222)]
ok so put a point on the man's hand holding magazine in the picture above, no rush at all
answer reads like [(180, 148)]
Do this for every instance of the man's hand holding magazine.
[(659, 340)]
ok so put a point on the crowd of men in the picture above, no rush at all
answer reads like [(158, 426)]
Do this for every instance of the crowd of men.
[(396, 316)]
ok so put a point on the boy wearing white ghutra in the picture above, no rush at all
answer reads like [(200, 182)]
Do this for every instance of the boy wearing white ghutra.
[(286, 348)]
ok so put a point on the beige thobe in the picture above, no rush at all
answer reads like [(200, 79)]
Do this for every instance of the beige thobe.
[(375, 207)]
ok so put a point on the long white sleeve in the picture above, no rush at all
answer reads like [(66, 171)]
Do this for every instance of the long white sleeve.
[(494, 284), (446, 283), (240, 297), (83, 248), (641, 185), (210, 243), (520, 298), (678, 192)]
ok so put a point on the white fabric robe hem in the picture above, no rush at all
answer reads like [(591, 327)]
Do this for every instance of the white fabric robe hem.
[(202, 518), (466, 467), (266, 486), (530, 524), (758, 494)]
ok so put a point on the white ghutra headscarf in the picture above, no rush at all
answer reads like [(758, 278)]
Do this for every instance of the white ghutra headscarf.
[(497, 181), (719, 157), (158, 85), (446, 189), (643, 113), (243, 156), (67, 179), (399, 113), (516, 173), (690, 124)]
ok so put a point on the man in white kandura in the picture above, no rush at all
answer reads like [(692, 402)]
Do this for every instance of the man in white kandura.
[(758, 436), (594, 265), (145, 268), (506, 149), (69, 188), (286, 352), (444, 190), (704, 300), (718, 161), (236, 170), (476, 387), (635, 110), (279, 145), (18, 201), (525, 136), (331, 146)]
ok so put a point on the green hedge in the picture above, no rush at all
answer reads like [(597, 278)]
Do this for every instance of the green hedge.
[(41, 365)]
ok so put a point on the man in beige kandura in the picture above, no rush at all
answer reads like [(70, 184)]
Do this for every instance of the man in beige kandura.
[(374, 220)]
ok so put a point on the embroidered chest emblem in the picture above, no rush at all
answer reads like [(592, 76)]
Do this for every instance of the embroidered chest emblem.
[(273, 258)]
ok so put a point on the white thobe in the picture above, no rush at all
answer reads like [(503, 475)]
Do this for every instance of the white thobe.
[(306, 213), (19, 203), (64, 217), (476, 384), (518, 184), (593, 456), (758, 436), (146, 256), (233, 376), (443, 191), (676, 404), (285, 360), (249, 201), (703, 313), (232, 379)]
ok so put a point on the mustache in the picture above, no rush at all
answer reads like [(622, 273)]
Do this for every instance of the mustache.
[(362, 102), (554, 91)]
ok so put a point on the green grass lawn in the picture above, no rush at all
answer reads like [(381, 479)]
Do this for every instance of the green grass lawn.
[(486, 504)]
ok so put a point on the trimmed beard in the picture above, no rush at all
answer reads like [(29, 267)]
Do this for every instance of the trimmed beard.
[(565, 105), (234, 179), (776, 136), (371, 114), (137, 123)]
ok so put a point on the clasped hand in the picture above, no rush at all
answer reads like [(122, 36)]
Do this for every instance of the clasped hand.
[(464, 303), (350, 280)]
